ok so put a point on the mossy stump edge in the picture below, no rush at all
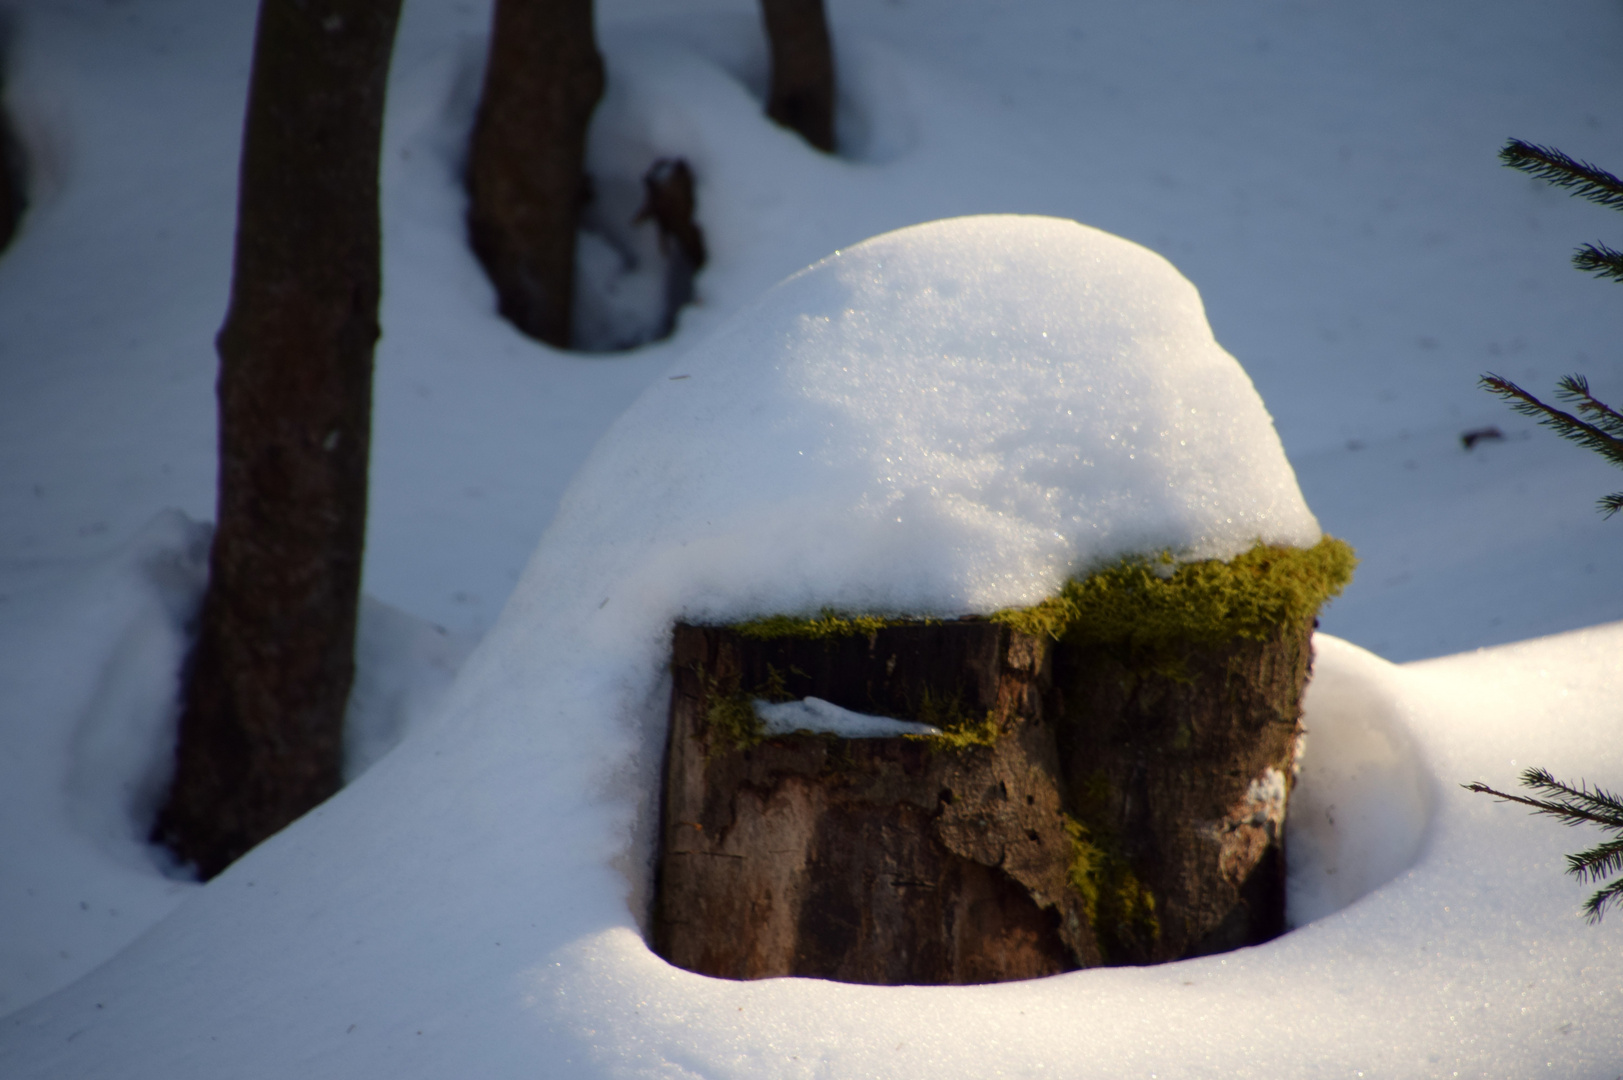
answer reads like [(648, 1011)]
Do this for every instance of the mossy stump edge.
[(1096, 798)]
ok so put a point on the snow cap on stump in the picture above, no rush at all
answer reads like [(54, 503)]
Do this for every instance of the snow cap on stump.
[(949, 418)]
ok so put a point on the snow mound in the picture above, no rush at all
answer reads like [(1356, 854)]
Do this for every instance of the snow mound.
[(94, 673), (1363, 799), (948, 418), (864, 439)]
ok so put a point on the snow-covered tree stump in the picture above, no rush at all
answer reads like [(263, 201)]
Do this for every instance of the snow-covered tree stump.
[(875, 860), (1107, 786)]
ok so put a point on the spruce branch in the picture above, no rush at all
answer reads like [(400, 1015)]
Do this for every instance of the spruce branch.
[(1569, 811), (1598, 863), (1595, 906), (1574, 389), (1563, 423), (1580, 177), (1581, 805), (1600, 260)]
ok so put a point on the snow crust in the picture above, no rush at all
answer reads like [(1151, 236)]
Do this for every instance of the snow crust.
[(816, 715)]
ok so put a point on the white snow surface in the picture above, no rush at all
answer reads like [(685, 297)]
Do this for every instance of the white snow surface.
[(816, 715), (360, 961), (469, 905), (946, 419)]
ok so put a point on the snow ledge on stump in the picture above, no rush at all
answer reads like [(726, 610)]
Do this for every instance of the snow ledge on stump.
[(949, 418)]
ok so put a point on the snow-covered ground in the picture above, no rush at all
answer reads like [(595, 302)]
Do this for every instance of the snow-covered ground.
[(1323, 174)]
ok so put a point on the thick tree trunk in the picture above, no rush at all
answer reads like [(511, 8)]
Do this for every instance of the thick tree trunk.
[(802, 93), (526, 178), (1086, 809), (267, 682)]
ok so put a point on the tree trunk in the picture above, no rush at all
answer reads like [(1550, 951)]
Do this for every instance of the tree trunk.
[(526, 178), (13, 169), (1082, 810), (802, 93), (267, 682)]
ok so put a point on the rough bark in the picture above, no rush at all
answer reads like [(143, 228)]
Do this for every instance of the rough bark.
[(526, 178), (867, 860), (262, 717), (802, 93), (1179, 765), (1119, 815)]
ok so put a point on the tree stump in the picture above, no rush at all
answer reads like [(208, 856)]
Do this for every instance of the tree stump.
[(1096, 795)]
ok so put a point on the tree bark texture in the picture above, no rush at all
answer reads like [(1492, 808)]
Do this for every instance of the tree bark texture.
[(526, 165), (268, 679), (802, 93), (1105, 814)]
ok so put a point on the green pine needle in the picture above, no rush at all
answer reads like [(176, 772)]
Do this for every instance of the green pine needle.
[(1563, 423), (1595, 804), (1600, 260), (1581, 805), (1600, 428), (1574, 390), (1580, 177), (1595, 906), (1598, 863)]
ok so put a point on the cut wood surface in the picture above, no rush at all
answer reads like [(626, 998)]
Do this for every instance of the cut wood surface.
[(1080, 809)]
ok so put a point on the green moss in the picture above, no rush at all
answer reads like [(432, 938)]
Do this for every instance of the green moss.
[(963, 734), (1143, 602), (733, 721), (1119, 907), (1087, 867), (776, 688), (730, 715), (827, 624), (959, 730)]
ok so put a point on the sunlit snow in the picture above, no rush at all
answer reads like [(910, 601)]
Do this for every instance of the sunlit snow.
[(816, 715), (470, 904)]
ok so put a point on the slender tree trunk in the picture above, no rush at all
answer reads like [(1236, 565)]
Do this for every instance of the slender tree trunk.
[(262, 718), (13, 169), (802, 94), (526, 166)]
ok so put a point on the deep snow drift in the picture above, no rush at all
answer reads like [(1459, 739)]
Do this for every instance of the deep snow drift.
[(470, 904), (946, 419), (1323, 173)]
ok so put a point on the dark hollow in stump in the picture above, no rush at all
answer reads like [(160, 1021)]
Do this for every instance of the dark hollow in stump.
[(1087, 804)]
